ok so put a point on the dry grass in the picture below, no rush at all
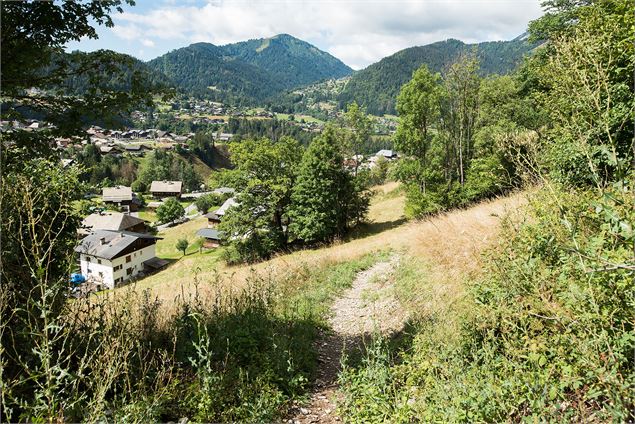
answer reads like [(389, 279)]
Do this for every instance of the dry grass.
[(451, 244)]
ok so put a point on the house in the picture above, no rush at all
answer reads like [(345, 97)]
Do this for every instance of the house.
[(388, 154), (160, 189), (114, 221), (214, 218), (121, 196), (212, 237), (111, 257)]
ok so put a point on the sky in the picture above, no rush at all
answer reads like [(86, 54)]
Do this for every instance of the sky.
[(356, 32)]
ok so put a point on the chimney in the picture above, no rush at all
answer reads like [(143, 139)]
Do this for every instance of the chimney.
[(102, 241)]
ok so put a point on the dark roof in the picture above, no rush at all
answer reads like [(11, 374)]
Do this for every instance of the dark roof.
[(114, 242), (209, 233), (109, 221), (212, 215)]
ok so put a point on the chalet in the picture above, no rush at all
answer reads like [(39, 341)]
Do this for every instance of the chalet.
[(113, 221), (212, 237), (112, 257), (120, 196), (214, 218), (160, 189)]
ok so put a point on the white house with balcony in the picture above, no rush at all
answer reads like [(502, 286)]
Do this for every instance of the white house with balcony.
[(111, 257)]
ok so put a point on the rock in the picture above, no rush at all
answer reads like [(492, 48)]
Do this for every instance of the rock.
[(304, 411)]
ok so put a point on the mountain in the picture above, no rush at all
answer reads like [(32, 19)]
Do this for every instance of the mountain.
[(248, 71), (378, 85), (294, 62)]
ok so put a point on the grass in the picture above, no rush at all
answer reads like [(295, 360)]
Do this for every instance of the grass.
[(166, 248), (452, 241)]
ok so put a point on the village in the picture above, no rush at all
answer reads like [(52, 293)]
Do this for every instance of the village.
[(117, 246)]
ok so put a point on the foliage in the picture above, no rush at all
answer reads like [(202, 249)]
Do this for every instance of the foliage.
[(377, 86), (265, 173), (170, 211), (182, 245), (273, 129), (204, 203), (326, 199), (168, 166), (462, 136)]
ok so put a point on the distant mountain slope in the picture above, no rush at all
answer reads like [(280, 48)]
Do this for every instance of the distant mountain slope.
[(205, 69), (378, 85), (249, 71), (294, 62)]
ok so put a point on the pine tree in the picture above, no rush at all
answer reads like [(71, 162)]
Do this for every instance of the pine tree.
[(324, 197)]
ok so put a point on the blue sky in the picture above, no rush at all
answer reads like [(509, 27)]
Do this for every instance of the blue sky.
[(357, 32)]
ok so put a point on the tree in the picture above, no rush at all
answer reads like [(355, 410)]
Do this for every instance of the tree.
[(205, 202), (325, 199), (418, 107), (265, 174), (461, 108), (359, 127), (170, 211), (39, 223), (182, 245)]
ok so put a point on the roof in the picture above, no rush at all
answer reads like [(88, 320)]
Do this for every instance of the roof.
[(110, 221), (109, 244), (228, 204), (224, 190), (133, 146), (166, 186), (209, 233), (212, 215), (386, 153), (116, 194)]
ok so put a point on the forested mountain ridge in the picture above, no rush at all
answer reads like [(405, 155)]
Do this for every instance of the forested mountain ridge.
[(377, 86), (248, 71), (293, 61)]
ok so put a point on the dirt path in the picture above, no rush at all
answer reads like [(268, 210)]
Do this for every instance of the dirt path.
[(368, 306)]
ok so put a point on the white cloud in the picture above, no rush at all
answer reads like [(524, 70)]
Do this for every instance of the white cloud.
[(357, 32)]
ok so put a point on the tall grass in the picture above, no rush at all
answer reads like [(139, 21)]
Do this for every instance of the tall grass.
[(214, 355), (544, 333)]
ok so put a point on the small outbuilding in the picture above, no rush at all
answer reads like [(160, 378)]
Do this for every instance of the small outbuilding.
[(212, 237)]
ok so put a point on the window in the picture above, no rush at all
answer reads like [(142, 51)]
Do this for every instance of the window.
[(99, 261), (128, 258), (129, 271), (117, 268)]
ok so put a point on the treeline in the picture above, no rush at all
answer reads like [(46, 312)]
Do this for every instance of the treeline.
[(273, 129), (109, 170), (377, 86), (292, 196), (460, 134)]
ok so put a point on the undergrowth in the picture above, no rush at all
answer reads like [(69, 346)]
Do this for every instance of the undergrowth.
[(546, 333), (225, 356)]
